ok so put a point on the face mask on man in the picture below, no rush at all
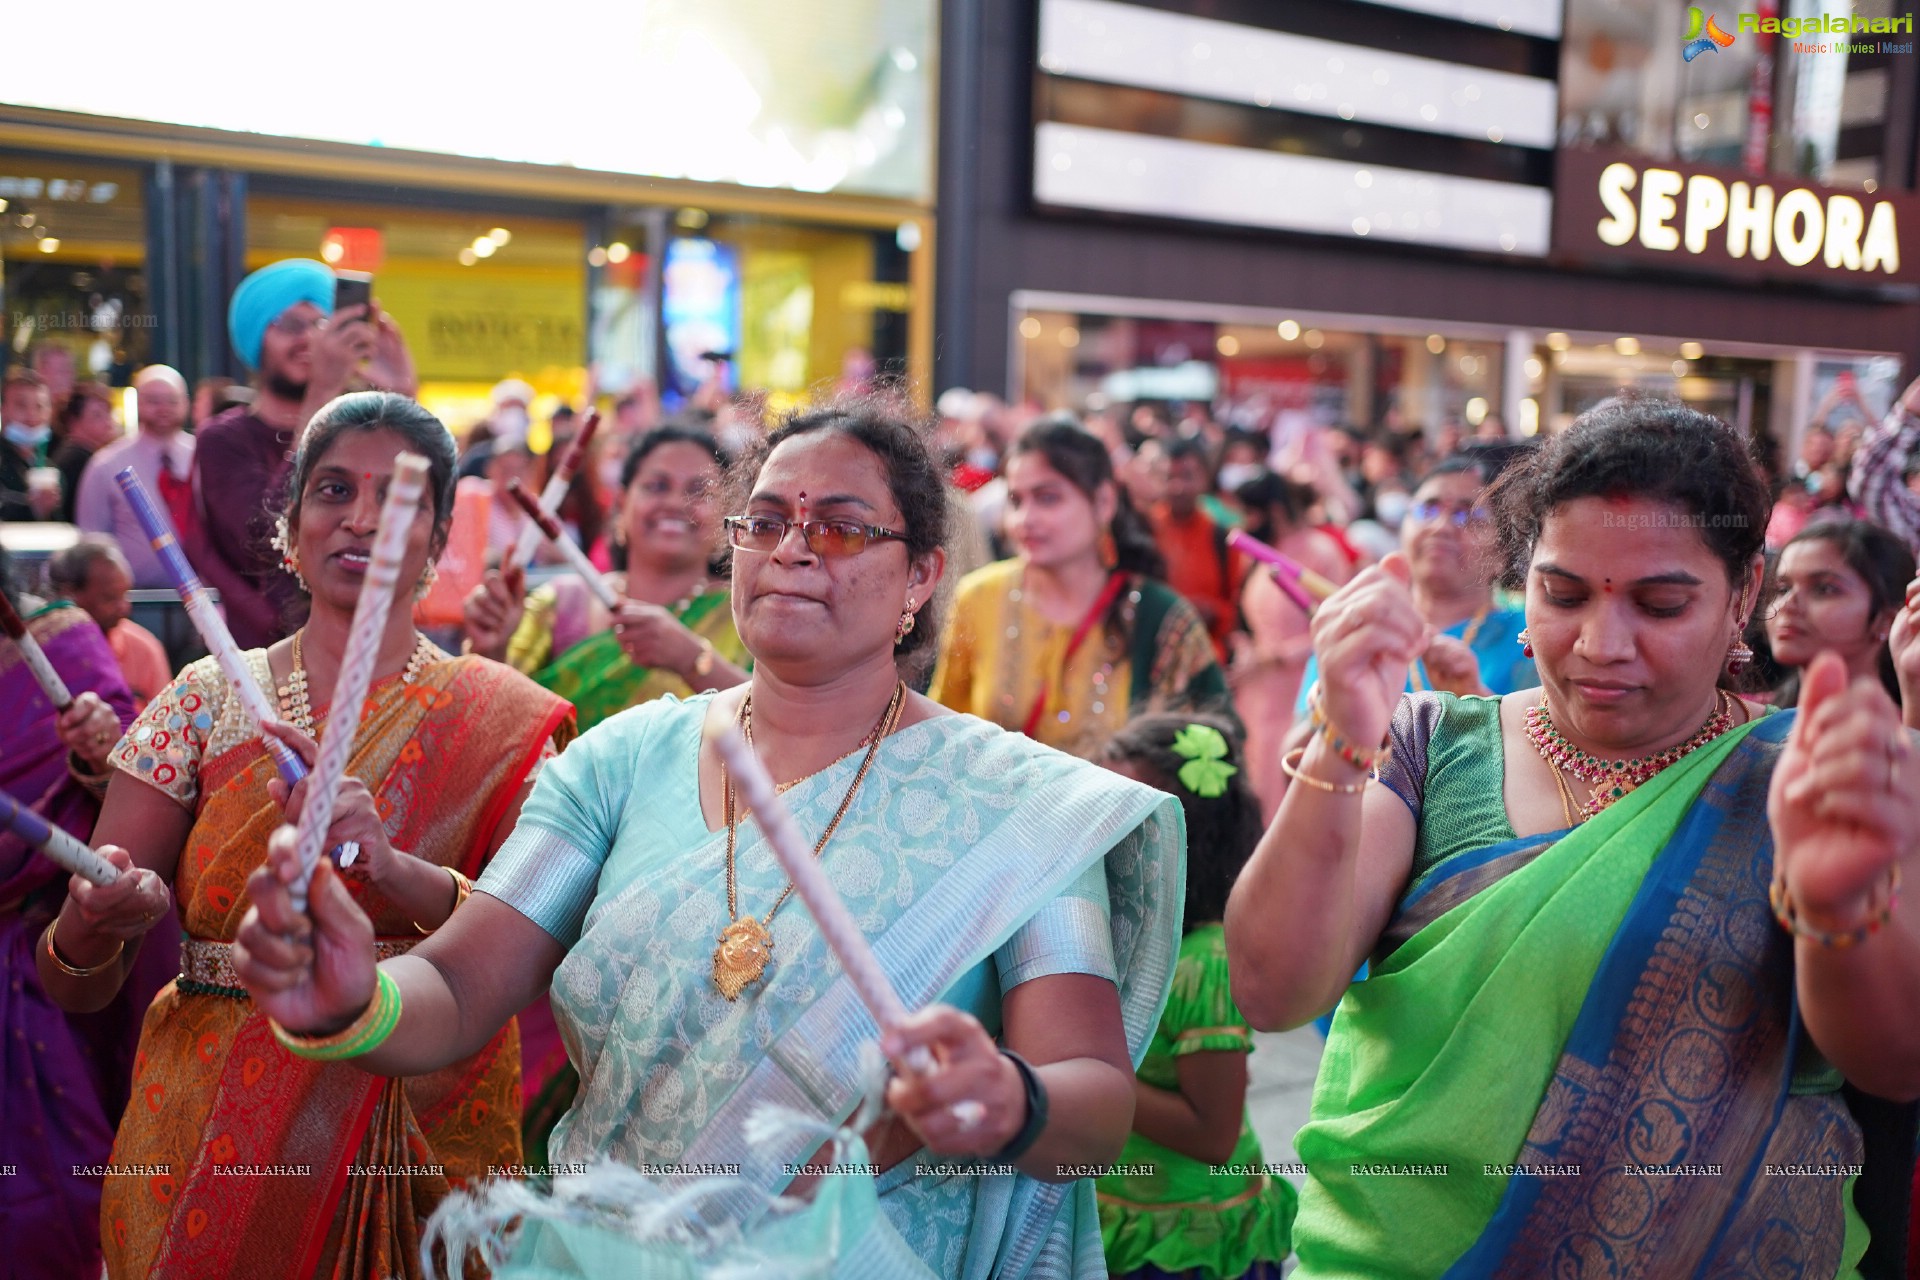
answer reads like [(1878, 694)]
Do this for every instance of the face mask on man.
[(1235, 474), (1390, 508), (26, 437)]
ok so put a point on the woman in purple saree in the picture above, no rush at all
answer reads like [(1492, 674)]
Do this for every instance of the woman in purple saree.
[(63, 1077)]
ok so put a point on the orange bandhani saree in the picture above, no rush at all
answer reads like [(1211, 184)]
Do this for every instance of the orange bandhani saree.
[(236, 1158)]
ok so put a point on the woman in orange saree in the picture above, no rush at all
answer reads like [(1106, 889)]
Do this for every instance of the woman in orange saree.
[(234, 1157)]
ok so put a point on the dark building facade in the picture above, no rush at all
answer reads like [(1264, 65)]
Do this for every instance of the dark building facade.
[(1411, 212)]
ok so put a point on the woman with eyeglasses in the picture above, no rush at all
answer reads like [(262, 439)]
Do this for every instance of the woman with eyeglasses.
[(1022, 902), (1079, 631), (1477, 648), (673, 633)]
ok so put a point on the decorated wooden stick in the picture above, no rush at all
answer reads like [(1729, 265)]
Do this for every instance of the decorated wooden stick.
[(810, 883), (576, 558), (206, 619), (55, 843), (356, 664), (36, 658), (556, 491), (1302, 585)]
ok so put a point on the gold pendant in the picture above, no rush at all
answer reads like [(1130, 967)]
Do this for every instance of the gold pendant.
[(744, 952)]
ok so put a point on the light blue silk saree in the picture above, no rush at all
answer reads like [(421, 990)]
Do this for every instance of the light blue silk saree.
[(972, 859)]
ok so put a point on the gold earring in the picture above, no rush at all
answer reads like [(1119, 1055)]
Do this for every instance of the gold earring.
[(905, 628)]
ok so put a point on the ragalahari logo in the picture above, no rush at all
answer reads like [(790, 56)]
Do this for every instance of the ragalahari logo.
[(1704, 35)]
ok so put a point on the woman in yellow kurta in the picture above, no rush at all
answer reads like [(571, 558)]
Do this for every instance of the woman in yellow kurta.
[(1077, 633), (242, 1159)]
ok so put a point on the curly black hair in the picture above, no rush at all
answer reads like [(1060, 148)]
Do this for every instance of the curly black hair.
[(1221, 830), (1641, 447), (913, 478)]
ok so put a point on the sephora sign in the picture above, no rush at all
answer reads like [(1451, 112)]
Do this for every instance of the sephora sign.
[(1617, 207)]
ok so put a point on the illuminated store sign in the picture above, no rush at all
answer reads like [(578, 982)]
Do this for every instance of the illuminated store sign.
[(1613, 206)]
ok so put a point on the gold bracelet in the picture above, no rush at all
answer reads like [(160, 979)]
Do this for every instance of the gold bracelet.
[(462, 889), (53, 954), (1290, 765)]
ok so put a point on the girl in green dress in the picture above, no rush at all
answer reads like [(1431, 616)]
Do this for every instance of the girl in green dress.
[(1191, 1195)]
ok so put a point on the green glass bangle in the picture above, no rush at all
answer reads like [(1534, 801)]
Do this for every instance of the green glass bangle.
[(365, 1034)]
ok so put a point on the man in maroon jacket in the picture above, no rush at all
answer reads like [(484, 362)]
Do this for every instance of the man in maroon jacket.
[(282, 323)]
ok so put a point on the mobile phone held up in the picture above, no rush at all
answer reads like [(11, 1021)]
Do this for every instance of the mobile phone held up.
[(352, 289)]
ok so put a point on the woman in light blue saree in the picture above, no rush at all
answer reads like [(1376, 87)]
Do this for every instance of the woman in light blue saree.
[(1629, 933), (1025, 903)]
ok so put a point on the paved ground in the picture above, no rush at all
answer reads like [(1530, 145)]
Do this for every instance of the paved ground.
[(1279, 1087)]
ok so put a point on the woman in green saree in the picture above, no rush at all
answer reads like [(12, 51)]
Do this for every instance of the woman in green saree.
[(1587, 1047), (674, 631), (1024, 902)]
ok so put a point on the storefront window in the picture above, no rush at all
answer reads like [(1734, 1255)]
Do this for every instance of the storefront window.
[(73, 247), (792, 307), (1280, 379), (1787, 104)]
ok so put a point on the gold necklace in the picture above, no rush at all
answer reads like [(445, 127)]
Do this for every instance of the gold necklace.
[(1567, 805), (746, 945), (294, 699)]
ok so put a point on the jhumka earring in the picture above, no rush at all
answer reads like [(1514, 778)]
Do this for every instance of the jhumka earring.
[(283, 543), (1526, 642)]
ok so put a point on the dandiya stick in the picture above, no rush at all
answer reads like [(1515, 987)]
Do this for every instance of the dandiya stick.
[(356, 664), (36, 658), (556, 491), (810, 882), (55, 843), (1302, 585), (577, 560), (206, 619)]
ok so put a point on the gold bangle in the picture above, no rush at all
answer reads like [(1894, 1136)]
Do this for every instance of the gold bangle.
[(462, 889), (71, 971), (1290, 765)]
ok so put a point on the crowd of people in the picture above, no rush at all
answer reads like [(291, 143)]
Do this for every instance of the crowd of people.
[(1574, 800)]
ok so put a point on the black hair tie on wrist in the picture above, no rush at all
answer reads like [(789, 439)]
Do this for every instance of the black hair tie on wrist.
[(1036, 1092)]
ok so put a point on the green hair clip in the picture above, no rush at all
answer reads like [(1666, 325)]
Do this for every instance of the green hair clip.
[(1206, 770)]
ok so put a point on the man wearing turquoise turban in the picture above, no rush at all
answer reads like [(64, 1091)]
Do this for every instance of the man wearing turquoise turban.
[(282, 323)]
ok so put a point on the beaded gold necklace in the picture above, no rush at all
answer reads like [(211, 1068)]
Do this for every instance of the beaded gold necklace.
[(1612, 779), (294, 700)]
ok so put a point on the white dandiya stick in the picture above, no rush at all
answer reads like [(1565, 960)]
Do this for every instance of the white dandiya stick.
[(55, 843), (356, 664), (810, 883), (36, 658), (556, 490), (206, 619), (576, 558)]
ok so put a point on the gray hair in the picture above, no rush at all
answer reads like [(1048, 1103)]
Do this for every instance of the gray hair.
[(69, 569)]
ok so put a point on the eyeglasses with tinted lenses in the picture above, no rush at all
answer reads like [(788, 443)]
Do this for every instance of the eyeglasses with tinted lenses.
[(294, 325), (824, 537), (1461, 517)]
